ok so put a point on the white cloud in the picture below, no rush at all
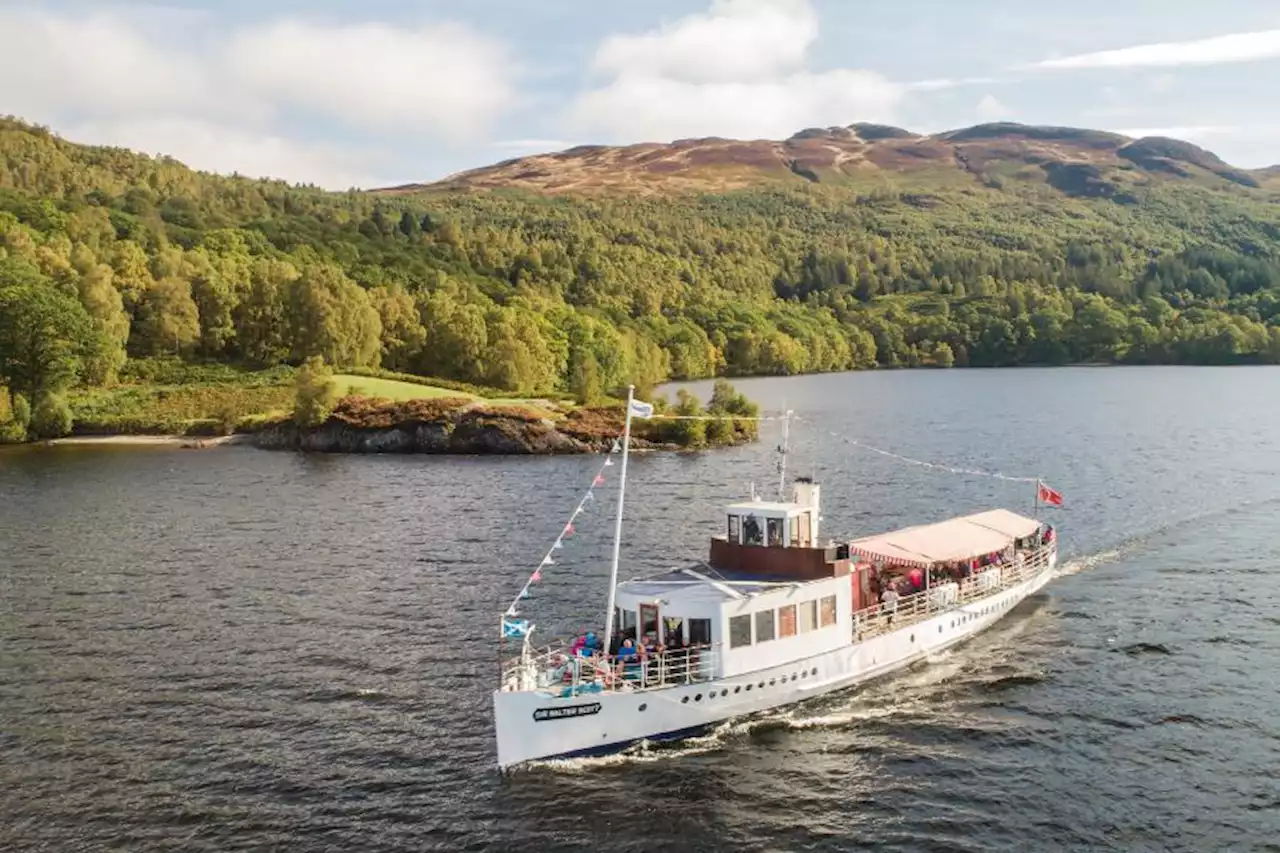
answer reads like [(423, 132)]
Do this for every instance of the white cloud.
[(1238, 47), (171, 82), (219, 148), (737, 70), (940, 83), (443, 78), (991, 109), (100, 63), (736, 41), (1186, 131)]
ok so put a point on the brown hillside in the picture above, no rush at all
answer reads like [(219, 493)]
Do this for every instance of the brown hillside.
[(1073, 160)]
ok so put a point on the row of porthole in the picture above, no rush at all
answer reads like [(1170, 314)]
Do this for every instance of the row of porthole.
[(985, 612), (697, 697)]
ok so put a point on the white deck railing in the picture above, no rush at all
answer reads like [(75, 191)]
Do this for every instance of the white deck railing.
[(555, 668), (909, 609)]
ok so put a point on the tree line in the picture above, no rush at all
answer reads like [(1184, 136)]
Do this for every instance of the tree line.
[(107, 255)]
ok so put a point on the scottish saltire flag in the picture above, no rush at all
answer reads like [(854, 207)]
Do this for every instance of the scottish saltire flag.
[(641, 410), (515, 627)]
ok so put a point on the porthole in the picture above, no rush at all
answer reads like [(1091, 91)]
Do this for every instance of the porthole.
[(760, 685), (939, 629), (913, 638), (794, 676), (772, 681), (738, 689), (685, 700), (644, 706), (815, 670), (698, 698), (748, 688), (724, 693)]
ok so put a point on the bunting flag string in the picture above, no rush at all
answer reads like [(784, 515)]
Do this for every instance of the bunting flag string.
[(512, 627)]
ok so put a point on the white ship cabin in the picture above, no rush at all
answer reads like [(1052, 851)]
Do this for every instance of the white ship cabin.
[(766, 595)]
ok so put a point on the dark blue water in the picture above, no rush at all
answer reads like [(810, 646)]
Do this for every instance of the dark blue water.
[(245, 650)]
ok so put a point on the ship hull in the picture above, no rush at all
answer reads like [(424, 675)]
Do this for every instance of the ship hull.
[(532, 725)]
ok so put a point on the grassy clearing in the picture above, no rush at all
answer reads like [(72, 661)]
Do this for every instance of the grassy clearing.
[(392, 389), (163, 396)]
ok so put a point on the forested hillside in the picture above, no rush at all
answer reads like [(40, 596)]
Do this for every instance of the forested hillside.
[(107, 255)]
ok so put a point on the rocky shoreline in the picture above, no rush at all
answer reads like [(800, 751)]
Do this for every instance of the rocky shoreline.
[(471, 434)]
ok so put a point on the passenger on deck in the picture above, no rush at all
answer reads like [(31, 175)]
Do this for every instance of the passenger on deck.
[(629, 659), (890, 602)]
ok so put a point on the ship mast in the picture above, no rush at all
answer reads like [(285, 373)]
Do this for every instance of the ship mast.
[(617, 524), (783, 450)]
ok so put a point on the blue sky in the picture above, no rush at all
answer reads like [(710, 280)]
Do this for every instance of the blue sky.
[(386, 91)]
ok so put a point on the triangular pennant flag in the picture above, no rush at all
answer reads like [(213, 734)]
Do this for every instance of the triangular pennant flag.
[(511, 611), (608, 462), (598, 481), (616, 446), (559, 544), (537, 575), (547, 561), (568, 529), (524, 593), (589, 497)]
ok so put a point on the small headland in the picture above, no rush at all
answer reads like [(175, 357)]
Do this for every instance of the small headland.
[(166, 403), (460, 426)]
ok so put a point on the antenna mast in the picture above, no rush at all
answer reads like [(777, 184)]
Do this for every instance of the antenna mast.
[(783, 450)]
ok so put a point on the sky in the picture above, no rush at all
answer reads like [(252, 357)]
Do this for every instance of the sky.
[(385, 92)]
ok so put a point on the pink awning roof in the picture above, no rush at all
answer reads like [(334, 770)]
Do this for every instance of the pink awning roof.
[(947, 541)]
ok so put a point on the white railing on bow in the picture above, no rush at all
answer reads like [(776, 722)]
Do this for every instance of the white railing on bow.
[(909, 609), (558, 669)]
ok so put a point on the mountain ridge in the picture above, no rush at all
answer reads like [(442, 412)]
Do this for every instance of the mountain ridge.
[(1077, 161)]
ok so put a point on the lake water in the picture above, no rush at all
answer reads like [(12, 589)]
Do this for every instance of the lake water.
[(244, 650)]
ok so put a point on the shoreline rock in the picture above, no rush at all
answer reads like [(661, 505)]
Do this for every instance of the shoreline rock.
[(473, 435)]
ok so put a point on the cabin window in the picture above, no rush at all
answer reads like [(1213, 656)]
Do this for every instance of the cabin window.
[(739, 631), (805, 535), (735, 528), (751, 532), (787, 621), (648, 621), (626, 622), (808, 616), (699, 632), (764, 626), (795, 530), (828, 610), (775, 531)]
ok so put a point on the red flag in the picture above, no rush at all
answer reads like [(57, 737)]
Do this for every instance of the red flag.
[(568, 529), (536, 576), (1049, 496), (598, 481)]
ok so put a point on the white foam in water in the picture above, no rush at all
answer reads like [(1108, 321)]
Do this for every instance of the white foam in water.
[(1081, 564)]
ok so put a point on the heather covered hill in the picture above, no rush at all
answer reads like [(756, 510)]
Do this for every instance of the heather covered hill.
[(860, 154), (836, 249)]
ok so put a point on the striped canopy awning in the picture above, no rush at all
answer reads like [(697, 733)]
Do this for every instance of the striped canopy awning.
[(948, 541)]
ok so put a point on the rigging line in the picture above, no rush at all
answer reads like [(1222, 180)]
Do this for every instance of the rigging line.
[(972, 472), (715, 418)]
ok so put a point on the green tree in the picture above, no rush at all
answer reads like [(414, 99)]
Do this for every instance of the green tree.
[(168, 320), (52, 417), (315, 393), (44, 332)]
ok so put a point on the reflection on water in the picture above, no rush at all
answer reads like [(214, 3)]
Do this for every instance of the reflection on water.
[(232, 649)]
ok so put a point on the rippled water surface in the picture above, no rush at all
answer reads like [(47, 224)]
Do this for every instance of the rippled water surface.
[(244, 650)]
